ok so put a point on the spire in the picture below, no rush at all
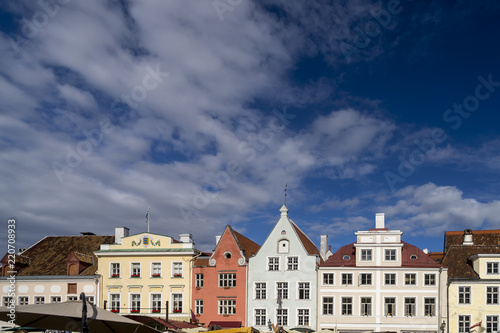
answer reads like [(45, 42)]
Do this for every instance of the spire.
[(284, 211)]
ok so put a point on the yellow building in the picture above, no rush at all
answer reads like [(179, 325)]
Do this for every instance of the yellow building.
[(473, 260), (147, 274)]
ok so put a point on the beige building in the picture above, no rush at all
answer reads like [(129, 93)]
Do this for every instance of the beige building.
[(474, 280), (381, 284), (142, 272)]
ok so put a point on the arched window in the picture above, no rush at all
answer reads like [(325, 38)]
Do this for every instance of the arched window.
[(413, 257), (283, 246), (346, 257)]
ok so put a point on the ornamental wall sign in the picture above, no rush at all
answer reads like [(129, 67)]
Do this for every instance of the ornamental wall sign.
[(146, 241)]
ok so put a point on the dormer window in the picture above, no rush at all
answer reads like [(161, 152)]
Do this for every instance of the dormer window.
[(413, 257), (283, 246), (346, 257)]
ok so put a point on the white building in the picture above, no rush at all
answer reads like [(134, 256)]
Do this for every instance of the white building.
[(381, 284), (282, 279)]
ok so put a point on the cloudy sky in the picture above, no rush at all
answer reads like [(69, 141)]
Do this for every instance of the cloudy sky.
[(205, 110)]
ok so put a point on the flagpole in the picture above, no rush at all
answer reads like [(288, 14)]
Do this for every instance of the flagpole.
[(148, 219)]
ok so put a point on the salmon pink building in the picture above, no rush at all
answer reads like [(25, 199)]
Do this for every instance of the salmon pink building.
[(220, 281)]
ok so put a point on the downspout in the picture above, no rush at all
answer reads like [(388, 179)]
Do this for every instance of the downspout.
[(439, 300), (191, 282)]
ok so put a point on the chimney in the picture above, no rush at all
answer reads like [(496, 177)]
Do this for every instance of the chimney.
[(426, 251), (121, 232), (468, 237), (380, 221), (186, 238), (323, 247), (217, 239)]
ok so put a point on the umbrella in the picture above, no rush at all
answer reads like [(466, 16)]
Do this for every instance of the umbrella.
[(67, 316)]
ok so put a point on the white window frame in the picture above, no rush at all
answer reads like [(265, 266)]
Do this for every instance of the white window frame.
[(155, 302), (177, 304), (467, 293), (292, 263), (227, 280), (90, 299), (351, 306), (199, 280), (394, 307), (351, 279), (54, 296), (330, 305), (395, 279), (262, 313), (226, 306), (305, 288), (156, 269), (426, 275), (326, 278), (364, 254), (135, 304), (177, 269), (114, 270), (303, 317), (415, 281), (393, 252), (283, 315), (72, 298), (433, 306), (494, 267), (413, 306), (492, 323), (198, 306), (361, 279), (495, 294), (369, 309), (35, 299), (23, 296), (287, 289), (464, 324), (272, 264), (260, 290), (135, 269)]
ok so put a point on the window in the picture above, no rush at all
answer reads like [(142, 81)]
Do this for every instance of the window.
[(365, 279), (390, 279), (282, 290), (293, 263), (260, 290), (227, 255), (135, 302), (430, 307), (115, 302), (464, 295), (198, 280), (346, 257), (22, 300), (260, 317), (177, 269), (430, 279), (304, 289), (491, 295), (410, 306), (135, 270), (156, 269), (115, 270), (227, 280), (328, 278), (464, 323), (156, 303), (413, 257), (198, 306), (347, 306), (410, 279), (491, 324), (366, 306), (282, 317), (390, 306), (390, 255), (39, 299), (492, 268), (303, 317), (328, 305), (177, 302), (90, 299), (366, 255), (55, 299), (346, 279), (227, 306), (274, 264), (6, 301), (72, 298)]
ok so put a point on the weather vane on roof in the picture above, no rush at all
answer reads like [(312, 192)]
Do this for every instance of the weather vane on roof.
[(285, 192)]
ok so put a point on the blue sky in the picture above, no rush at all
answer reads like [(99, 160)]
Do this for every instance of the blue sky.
[(205, 110)]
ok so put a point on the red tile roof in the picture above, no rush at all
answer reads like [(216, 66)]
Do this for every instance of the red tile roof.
[(308, 244), (48, 256), (246, 245)]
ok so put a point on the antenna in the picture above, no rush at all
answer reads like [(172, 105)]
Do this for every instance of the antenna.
[(286, 185)]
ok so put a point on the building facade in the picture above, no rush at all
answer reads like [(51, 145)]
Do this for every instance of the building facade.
[(381, 284), (282, 279), (56, 269), (473, 258), (220, 281), (147, 274)]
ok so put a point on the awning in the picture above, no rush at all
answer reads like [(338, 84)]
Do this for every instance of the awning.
[(225, 324)]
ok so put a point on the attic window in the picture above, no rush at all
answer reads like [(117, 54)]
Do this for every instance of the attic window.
[(346, 257), (283, 246), (413, 257), (227, 255)]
